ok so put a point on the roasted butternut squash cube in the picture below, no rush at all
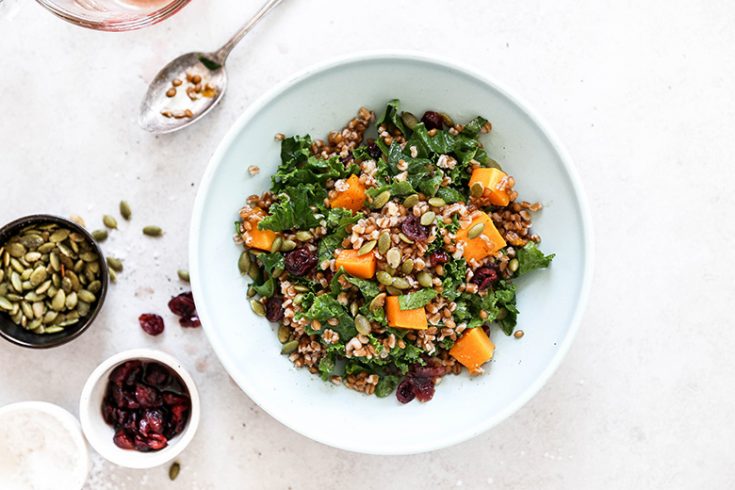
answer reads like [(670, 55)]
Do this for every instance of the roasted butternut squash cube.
[(352, 197), (362, 266), (255, 238), (486, 243), (493, 183), (415, 319), (473, 349)]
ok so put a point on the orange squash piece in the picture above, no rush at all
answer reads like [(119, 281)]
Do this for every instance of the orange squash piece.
[(415, 319), (473, 349), (255, 238), (478, 248), (362, 266), (493, 183), (352, 198)]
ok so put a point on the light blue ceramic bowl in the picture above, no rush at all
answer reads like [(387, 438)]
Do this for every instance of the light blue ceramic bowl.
[(551, 302)]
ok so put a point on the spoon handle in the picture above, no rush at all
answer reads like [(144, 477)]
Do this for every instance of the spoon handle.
[(221, 54)]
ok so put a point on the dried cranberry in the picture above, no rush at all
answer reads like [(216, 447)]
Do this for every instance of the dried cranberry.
[(125, 373), (423, 388), (175, 399), (405, 392), (156, 442), (485, 276), (427, 371), (274, 308), (438, 257), (156, 375), (374, 150), (300, 261), (413, 229), (108, 412), (183, 305), (151, 422), (432, 120), (190, 322), (147, 397), (151, 323), (141, 444), (122, 440), (179, 416)]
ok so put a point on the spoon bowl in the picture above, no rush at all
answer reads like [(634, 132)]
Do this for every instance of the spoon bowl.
[(162, 114)]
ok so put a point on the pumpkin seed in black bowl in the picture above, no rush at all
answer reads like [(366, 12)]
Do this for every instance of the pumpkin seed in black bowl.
[(53, 281)]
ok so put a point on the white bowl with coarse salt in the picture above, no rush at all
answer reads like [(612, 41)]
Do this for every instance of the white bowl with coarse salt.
[(41, 448)]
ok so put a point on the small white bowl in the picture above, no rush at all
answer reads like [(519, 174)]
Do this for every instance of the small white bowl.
[(74, 477), (99, 433)]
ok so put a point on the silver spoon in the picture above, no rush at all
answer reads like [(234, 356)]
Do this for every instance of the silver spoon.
[(161, 113)]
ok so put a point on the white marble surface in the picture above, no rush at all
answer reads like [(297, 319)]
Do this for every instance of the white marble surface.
[(641, 93)]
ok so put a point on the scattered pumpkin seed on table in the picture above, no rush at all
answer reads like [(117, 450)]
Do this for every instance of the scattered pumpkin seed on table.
[(152, 231), (125, 210), (109, 222), (183, 275), (173, 471)]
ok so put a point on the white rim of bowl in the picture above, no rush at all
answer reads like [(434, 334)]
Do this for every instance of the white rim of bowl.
[(67, 420), (565, 158), (120, 456)]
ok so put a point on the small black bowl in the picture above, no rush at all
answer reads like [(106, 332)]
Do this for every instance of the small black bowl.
[(25, 338)]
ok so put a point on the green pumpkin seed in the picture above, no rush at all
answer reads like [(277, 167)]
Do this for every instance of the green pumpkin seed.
[(300, 288), (175, 468), (425, 279), (100, 235), (404, 238), (513, 265), (381, 200), (16, 250), (283, 334), (49, 317), (409, 120), (32, 297), (401, 283), (477, 189), (362, 324), (32, 241), (32, 257), (393, 257), (354, 308), (377, 302), (251, 292), (257, 307), (384, 242), (290, 347), (297, 300), (447, 119), (44, 287), (71, 301), (77, 237), (125, 210), (367, 248), (57, 303), (83, 309), (152, 231), (407, 266), (113, 275), (288, 245), (54, 261), (109, 221), (6, 258), (115, 264), (86, 296), (476, 230), (384, 278), (26, 309), (94, 287), (76, 219), (51, 329), (304, 236), (64, 250), (428, 218), (393, 291), (437, 202), (411, 201), (26, 274), (17, 266), (2, 275), (38, 276), (46, 247), (5, 303), (276, 245), (27, 286), (16, 282), (277, 271), (183, 275), (243, 263), (38, 309), (254, 271), (58, 236)]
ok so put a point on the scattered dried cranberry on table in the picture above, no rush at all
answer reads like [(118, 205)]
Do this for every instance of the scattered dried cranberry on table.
[(183, 306), (151, 323), (147, 404)]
